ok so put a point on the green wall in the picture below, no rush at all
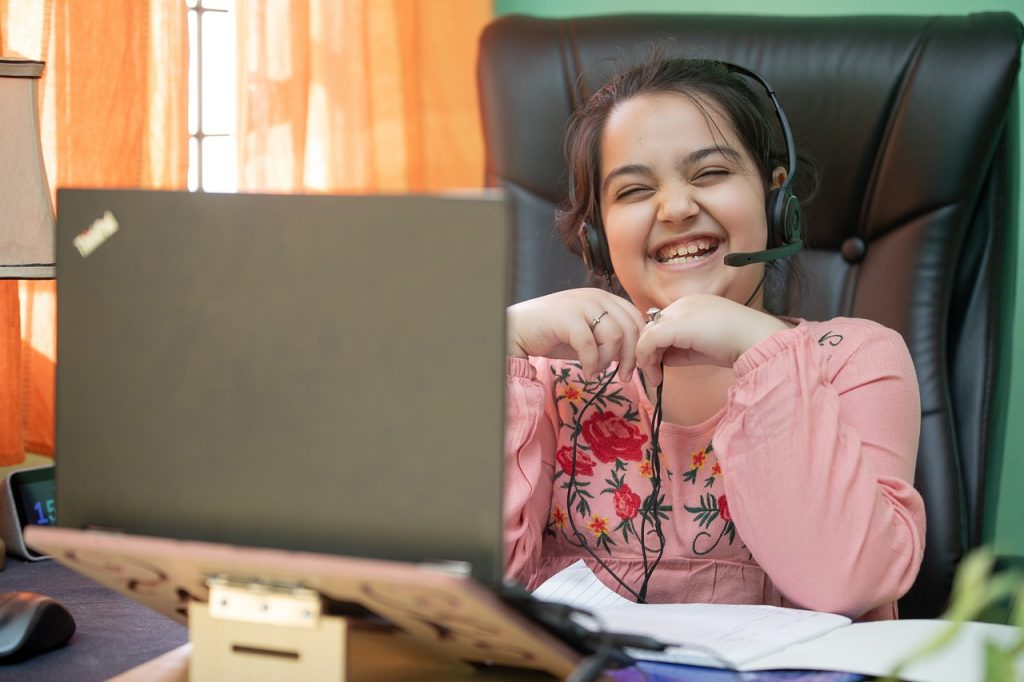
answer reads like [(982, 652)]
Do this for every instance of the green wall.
[(1004, 523)]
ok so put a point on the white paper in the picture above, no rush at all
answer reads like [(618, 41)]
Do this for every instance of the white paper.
[(718, 635), (876, 648), (772, 638)]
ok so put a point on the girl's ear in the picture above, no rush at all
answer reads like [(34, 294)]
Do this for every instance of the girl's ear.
[(778, 177)]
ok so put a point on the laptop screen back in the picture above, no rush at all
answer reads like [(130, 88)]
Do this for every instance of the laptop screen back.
[(317, 373)]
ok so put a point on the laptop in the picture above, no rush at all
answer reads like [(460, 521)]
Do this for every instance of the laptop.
[(310, 373)]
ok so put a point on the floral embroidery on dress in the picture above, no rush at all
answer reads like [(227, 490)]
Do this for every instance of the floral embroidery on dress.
[(599, 526), (697, 461), (613, 438), (610, 442), (602, 437), (558, 518), (709, 510)]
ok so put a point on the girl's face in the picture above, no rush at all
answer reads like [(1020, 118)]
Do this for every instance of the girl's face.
[(678, 193)]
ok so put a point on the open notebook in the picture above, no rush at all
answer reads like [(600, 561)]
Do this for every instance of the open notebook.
[(749, 638)]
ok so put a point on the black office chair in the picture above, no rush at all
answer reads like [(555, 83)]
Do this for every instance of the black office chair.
[(912, 121)]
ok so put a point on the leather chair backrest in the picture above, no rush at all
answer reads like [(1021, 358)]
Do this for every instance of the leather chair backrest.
[(913, 123)]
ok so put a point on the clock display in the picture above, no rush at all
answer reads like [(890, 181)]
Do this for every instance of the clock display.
[(34, 492), (27, 498)]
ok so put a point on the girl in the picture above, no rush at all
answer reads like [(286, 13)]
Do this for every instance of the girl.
[(687, 443)]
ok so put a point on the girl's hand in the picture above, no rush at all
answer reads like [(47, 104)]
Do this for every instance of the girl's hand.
[(590, 325), (701, 329)]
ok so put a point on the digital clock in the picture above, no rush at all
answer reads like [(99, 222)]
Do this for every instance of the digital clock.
[(26, 498)]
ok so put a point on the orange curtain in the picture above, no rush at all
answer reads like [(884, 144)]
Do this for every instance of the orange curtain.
[(359, 95), (114, 114)]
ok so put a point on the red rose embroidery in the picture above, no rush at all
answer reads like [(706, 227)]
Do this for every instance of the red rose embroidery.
[(584, 465), (626, 502), (723, 508), (612, 437)]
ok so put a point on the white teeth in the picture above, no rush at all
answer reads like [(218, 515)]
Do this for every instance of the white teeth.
[(684, 253)]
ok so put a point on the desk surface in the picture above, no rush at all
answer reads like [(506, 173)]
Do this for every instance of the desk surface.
[(114, 633)]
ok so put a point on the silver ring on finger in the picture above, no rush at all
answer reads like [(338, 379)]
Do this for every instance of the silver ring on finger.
[(597, 320), (653, 315)]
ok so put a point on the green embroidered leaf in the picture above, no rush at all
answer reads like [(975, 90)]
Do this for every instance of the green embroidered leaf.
[(703, 519), (690, 476), (615, 398), (707, 512), (620, 465), (626, 526), (616, 480), (605, 540), (709, 449), (709, 481)]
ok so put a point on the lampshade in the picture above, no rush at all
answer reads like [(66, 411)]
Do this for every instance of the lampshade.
[(26, 212)]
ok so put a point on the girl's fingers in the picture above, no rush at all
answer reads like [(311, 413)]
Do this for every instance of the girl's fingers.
[(593, 326), (626, 330)]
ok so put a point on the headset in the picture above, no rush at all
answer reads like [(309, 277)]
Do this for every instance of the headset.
[(781, 206)]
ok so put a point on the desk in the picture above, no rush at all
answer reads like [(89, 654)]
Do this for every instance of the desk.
[(114, 633)]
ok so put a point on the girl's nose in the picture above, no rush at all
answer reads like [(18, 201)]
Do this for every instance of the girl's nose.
[(677, 204)]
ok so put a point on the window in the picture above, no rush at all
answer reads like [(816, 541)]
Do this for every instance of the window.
[(212, 150)]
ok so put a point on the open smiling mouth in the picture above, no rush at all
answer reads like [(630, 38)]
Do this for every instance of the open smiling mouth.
[(687, 252)]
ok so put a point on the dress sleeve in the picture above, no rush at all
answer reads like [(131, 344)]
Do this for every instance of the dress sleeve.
[(529, 469), (818, 458)]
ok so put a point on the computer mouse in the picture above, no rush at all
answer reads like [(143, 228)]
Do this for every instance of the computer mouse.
[(31, 624)]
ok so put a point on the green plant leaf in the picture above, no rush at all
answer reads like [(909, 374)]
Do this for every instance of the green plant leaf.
[(998, 663), (1017, 614), (968, 596)]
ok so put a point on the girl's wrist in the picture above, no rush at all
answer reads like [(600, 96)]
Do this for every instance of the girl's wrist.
[(769, 326)]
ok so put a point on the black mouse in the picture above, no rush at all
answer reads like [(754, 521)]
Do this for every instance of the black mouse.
[(31, 624)]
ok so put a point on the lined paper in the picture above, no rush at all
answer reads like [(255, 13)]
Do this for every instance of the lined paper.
[(578, 586), (718, 635)]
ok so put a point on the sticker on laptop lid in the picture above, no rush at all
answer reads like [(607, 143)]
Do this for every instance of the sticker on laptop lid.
[(92, 237)]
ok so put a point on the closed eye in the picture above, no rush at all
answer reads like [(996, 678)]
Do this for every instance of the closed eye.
[(630, 192), (711, 173)]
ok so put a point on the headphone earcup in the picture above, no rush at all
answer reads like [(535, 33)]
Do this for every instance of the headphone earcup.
[(783, 209), (594, 250)]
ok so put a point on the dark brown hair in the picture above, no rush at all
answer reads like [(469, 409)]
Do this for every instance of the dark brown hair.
[(708, 84)]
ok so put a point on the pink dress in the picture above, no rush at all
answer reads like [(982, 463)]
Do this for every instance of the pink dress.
[(797, 493)]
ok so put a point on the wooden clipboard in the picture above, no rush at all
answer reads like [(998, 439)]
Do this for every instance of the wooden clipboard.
[(425, 609)]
